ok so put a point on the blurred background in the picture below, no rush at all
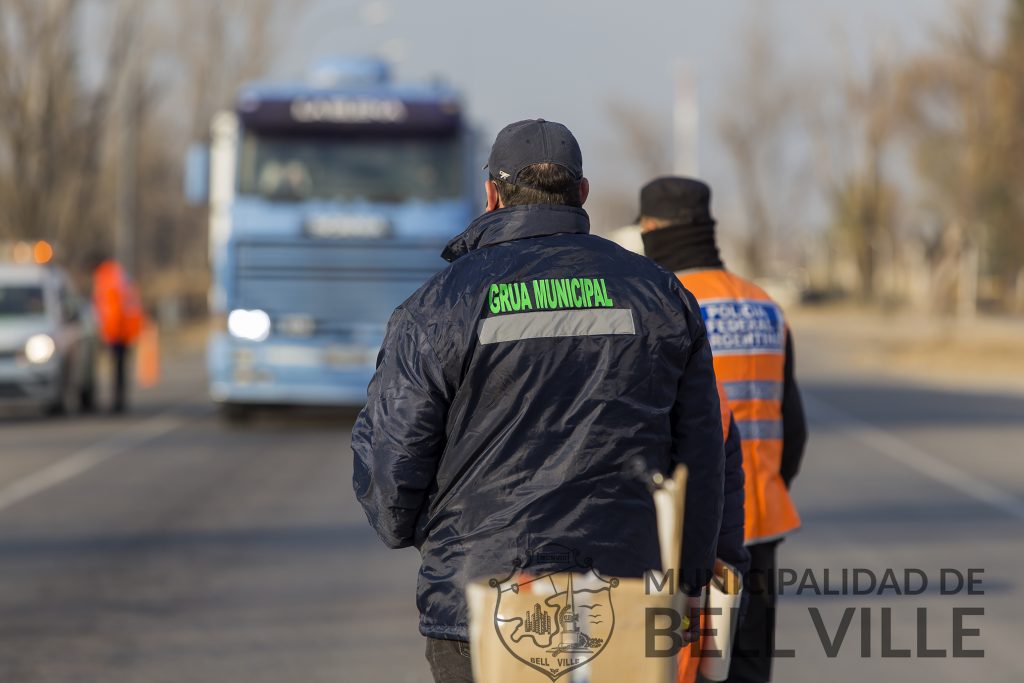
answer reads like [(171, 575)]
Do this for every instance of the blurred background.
[(273, 178)]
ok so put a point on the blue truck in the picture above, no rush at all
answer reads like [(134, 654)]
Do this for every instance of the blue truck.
[(329, 204)]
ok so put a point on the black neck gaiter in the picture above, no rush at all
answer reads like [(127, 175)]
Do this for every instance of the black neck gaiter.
[(683, 247)]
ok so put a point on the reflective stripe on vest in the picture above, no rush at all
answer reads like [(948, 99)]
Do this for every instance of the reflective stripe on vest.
[(747, 334), (752, 390), (760, 429)]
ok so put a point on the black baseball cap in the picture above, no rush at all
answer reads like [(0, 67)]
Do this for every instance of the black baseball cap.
[(686, 201), (533, 141)]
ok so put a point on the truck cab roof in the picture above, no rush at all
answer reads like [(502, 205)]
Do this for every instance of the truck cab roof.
[(416, 92), (348, 76)]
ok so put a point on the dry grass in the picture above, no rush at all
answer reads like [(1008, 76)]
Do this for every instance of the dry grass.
[(984, 353)]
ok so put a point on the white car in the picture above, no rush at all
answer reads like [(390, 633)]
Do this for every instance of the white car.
[(47, 341)]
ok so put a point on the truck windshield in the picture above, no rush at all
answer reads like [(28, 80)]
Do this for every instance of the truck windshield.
[(388, 170), (20, 300)]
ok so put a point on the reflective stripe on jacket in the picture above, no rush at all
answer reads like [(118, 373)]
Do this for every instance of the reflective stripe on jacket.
[(747, 333)]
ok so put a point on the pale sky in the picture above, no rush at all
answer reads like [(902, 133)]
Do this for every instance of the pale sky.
[(565, 60)]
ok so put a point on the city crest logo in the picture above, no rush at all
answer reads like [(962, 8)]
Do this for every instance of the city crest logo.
[(557, 619)]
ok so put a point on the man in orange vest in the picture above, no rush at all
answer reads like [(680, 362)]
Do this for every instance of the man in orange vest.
[(120, 318), (753, 357)]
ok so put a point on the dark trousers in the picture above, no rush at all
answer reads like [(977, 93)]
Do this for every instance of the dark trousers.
[(449, 661), (119, 354), (755, 638)]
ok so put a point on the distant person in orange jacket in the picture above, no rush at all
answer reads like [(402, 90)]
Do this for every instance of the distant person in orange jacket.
[(120, 319), (753, 357)]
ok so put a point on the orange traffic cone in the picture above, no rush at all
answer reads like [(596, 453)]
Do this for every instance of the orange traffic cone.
[(147, 369)]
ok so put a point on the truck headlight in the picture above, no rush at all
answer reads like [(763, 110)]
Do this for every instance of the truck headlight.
[(253, 325), (39, 348)]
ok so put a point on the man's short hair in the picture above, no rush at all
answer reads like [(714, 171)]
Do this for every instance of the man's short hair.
[(543, 183)]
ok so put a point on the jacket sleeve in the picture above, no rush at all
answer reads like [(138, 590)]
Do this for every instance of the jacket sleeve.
[(730, 538), (697, 443), (794, 424), (399, 436)]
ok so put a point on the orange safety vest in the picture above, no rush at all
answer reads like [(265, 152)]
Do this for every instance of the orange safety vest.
[(747, 333), (118, 307)]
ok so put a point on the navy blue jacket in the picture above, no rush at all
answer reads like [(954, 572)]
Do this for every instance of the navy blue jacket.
[(512, 393)]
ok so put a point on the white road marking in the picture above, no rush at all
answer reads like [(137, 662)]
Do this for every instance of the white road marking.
[(85, 459), (917, 459)]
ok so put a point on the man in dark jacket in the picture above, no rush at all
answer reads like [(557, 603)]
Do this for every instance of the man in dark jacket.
[(515, 388)]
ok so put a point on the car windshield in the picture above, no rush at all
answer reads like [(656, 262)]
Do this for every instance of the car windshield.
[(389, 170), (21, 300)]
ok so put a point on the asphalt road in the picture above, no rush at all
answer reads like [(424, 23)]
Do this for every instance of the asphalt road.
[(166, 546)]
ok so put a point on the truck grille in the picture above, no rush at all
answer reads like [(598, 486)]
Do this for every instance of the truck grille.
[(341, 284)]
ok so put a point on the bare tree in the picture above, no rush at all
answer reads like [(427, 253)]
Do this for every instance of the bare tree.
[(639, 146), (864, 202), (53, 140), (1005, 242), (222, 44), (213, 47), (951, 118), (755, 127), (83, 150), (639, 137)]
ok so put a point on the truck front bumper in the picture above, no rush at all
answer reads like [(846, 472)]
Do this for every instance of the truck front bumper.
[(274, 372)]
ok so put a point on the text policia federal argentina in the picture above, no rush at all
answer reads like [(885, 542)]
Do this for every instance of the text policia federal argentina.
[(576, 292)]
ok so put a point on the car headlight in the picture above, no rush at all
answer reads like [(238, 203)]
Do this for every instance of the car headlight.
[(253, 325), (39, 348)]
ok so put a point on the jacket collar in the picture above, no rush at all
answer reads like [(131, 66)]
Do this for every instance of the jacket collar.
[(514, 223)]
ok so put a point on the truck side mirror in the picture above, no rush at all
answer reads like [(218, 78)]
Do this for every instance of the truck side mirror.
[(197, 175)]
